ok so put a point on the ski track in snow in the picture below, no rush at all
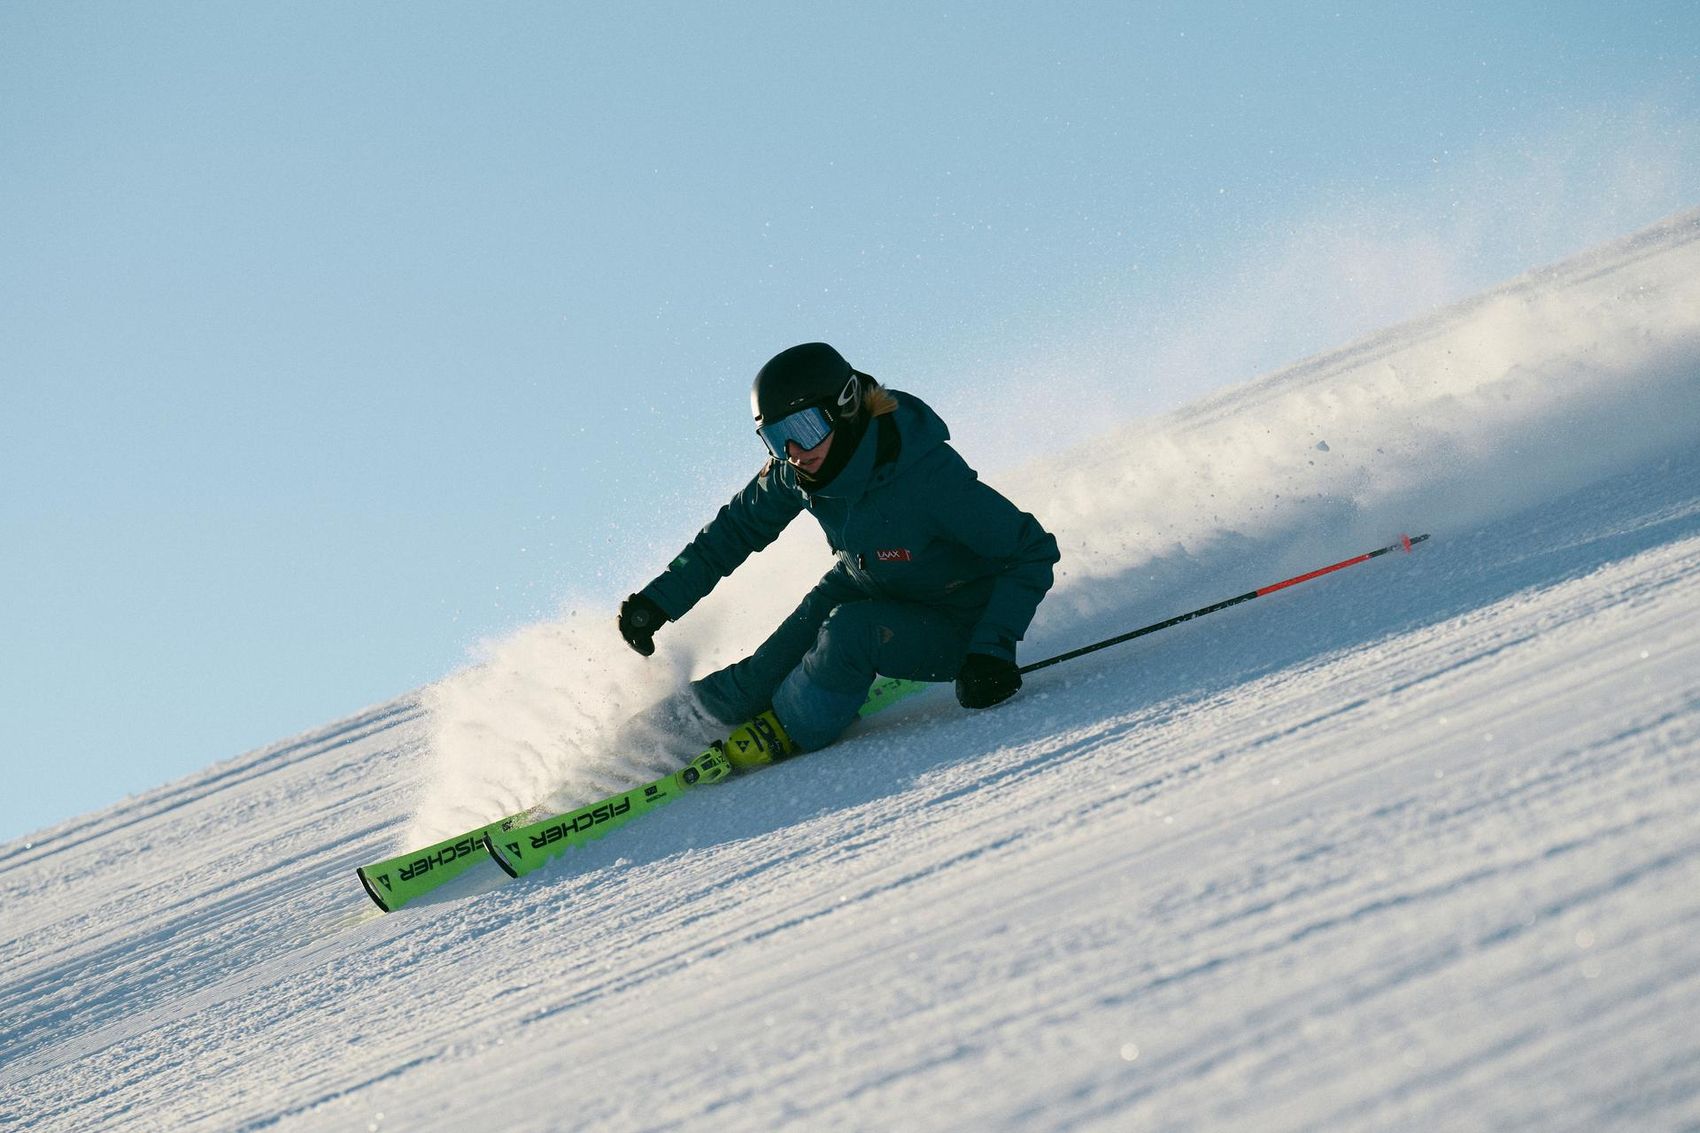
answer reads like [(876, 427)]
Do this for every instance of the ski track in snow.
[(1409, 847)]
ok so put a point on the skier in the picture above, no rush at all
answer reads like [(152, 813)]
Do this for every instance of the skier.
[(937, 575)]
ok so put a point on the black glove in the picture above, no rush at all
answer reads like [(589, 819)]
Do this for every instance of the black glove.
[(985, 680), (639, 619)]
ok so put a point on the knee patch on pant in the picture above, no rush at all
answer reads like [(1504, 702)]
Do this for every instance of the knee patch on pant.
[(846, 653), (815, 716)]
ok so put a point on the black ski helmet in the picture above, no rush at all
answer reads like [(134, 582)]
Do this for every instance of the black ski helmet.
[(807, 376)]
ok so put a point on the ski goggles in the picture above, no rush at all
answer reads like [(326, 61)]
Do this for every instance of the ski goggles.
[(808, 427)]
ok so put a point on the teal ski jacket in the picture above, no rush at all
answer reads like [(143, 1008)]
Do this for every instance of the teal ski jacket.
[(907, 520)]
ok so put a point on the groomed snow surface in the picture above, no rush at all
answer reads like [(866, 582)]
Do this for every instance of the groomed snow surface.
[(1413, 846)]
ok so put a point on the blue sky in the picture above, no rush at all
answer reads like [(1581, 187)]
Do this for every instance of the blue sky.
[(335, 338)]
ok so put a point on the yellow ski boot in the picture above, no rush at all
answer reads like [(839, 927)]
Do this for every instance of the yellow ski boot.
[(757, 743)]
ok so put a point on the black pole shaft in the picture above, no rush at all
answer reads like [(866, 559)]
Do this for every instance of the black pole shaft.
[(1404, 544)]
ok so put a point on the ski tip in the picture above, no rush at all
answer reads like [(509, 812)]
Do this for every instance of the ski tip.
[(372, 890), (496, 856)]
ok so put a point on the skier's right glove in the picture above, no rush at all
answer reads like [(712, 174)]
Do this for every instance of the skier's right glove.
[(985, 680), (640, 617)]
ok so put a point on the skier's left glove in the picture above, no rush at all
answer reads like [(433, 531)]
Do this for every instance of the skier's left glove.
[(640, 617), (985, 680)]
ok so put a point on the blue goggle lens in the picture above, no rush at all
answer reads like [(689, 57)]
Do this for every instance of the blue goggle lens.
[(808, 427)]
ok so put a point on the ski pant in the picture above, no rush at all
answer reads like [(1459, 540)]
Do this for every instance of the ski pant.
[(815, 669)]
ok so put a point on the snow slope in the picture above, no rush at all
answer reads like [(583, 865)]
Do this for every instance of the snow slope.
[(1413, 846)]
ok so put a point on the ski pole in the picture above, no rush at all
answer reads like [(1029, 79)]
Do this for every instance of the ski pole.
[(1405, 543)]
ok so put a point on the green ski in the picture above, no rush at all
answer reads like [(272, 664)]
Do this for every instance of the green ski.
[(394, 882), (521, 849)]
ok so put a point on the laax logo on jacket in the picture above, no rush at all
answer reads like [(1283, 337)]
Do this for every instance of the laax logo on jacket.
[(891, 555)]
